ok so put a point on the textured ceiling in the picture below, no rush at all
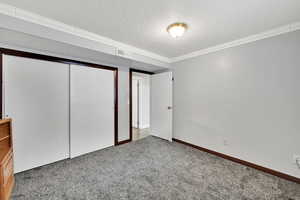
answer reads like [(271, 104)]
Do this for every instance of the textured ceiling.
[(142, 23)]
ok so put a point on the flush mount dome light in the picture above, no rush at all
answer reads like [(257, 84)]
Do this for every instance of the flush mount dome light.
[(177, 29)]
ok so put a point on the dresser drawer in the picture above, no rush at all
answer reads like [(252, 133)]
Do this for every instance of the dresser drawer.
[(6, 160), (7, 170), (4, 130), (5, 190)]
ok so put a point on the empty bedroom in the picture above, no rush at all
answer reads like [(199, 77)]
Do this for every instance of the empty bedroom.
[(149, 100)]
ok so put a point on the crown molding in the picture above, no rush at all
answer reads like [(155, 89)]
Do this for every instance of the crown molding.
[(56, 25), (132, 52), (260, 36)]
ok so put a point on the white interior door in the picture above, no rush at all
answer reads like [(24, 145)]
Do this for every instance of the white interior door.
[(161, 105), (92, 109), (36, 97)]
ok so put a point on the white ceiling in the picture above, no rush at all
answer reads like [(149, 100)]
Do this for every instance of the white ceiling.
[(142, 23)]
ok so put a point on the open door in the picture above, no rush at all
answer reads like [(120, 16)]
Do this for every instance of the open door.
[(161, 105)]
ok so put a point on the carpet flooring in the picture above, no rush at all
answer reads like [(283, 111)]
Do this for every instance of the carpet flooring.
[(154, 169)]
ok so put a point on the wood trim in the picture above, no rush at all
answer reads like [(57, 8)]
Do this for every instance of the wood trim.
[(1, 84), (65, 61), (52, 58), (130, 104), (246, 163), (141, 71), (131, 70), (4, 121), (124, 142), (116, 107)]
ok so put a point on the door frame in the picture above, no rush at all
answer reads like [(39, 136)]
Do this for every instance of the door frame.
[(138, 103), (131, 70), (11, 52)]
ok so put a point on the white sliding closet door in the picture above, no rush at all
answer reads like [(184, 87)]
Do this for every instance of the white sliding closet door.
[(36, 97), (92, 109)]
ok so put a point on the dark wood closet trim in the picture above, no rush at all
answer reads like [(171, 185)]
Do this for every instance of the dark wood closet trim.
[(140, 71), (131, 70), (1, 84), (53, 58), (124, 142), (246, 163), (116, 107), (65, 61)]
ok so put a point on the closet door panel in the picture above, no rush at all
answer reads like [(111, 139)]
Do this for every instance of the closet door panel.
[(92, 109), (36, 97)]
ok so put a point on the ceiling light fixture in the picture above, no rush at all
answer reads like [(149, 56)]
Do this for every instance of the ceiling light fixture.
[(177, 29)]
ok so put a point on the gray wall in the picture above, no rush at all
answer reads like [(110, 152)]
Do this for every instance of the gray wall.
[(123, 86), (243, 101)]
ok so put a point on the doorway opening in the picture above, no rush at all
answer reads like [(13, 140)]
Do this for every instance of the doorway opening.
[(139, 104)]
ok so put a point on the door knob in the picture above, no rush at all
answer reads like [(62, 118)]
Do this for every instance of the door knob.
[(169, 107)]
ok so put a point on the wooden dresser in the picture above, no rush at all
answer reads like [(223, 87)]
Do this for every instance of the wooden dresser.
[(6, 160)]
